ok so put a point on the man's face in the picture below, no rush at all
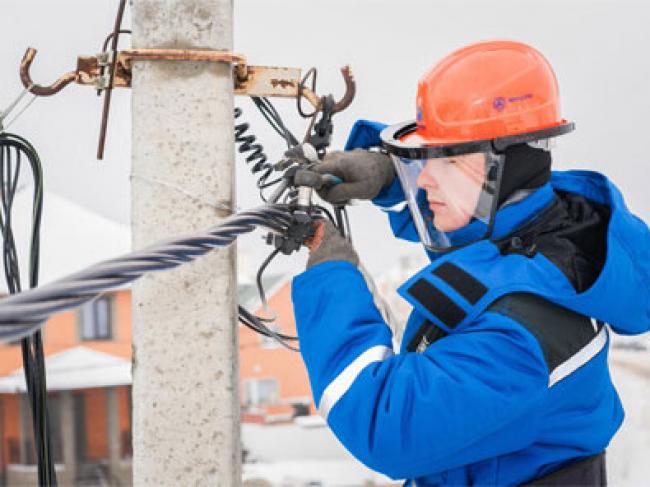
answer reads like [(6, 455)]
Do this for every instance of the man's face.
[(453, 186)]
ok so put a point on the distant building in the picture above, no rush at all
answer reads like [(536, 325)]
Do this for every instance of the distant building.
[(88, 356), (88, 364), (274, 382)]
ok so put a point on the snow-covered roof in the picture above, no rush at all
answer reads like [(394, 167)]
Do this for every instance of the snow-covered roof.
[(72, 237), (75, 368)]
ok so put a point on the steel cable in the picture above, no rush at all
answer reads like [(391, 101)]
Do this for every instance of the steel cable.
[(23, 313)]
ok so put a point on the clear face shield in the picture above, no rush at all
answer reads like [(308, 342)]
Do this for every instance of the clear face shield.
[(452, 198), (452, 187)]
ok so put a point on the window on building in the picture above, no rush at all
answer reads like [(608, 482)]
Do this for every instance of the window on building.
[(96, 319), (262, 391)]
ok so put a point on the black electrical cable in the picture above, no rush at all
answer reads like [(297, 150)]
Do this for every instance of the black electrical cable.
[(311, 74), (255, 156), (12, 151), (258, 280), (110, 36), (258, 323), (257, 160), (326, 212), (253, 322), (272, 116)]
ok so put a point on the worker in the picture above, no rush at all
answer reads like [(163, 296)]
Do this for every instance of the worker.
[(502, 375)]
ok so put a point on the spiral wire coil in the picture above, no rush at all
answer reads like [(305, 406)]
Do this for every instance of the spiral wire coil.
[(253, 152)]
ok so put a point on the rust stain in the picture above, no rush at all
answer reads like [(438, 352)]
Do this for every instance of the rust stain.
[(283, 83)]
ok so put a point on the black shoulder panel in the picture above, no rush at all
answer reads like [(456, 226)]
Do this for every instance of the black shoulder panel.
[(437, 303), (464, 284), (560, 332)]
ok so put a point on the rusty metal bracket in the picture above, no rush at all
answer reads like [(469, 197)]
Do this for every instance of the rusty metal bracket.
[(112, 69), (247, 80), (129, 55), (267, 81)]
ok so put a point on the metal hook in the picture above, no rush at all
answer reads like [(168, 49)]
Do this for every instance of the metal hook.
[(346, 99), (350, 90), (39, 90)]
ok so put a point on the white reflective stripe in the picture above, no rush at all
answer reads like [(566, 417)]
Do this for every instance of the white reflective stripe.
[(396, 208), (579, 359), (339, 386)]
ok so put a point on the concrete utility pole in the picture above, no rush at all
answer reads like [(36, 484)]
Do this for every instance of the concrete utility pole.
[(185, 370)]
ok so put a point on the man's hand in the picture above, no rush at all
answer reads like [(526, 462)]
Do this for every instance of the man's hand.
[(327, 244), (364, 174)]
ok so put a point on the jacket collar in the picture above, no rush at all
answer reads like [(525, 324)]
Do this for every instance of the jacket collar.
[(513, 216), (506, 220)]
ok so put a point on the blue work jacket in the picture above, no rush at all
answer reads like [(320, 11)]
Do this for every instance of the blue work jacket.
[(497, 400)]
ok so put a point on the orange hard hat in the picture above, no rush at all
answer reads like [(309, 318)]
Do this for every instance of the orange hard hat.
[(489, 99), (486, 91)]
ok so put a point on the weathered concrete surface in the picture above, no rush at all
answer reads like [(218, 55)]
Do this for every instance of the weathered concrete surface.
[(185, 398)]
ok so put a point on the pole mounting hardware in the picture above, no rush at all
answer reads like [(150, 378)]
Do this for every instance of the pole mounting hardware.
[(247, 80), (113, 69)]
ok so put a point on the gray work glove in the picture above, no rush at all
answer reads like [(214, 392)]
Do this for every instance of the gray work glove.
[(328, 244), (364, 174)]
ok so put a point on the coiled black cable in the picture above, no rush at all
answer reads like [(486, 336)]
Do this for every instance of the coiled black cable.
[(255, 156), (13, 151), (254, 150)]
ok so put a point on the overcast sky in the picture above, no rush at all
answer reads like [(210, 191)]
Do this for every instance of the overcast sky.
[(598, 49)]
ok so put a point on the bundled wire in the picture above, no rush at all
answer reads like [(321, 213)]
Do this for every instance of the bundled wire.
[(258, 163), (14, 151), (24, 313), (272, 116)]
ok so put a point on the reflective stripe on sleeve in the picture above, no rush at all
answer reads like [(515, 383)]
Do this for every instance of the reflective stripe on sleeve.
[(340, 385), (396, 208), (585, 354)]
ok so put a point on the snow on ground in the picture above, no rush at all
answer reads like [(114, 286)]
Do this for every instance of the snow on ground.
[(288, 455), (313, 473), (628, 455)]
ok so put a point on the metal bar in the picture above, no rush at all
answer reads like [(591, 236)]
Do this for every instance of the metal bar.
[(181, 55), (109, 88)]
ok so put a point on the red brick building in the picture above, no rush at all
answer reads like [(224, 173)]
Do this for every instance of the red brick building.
[(88, 364), (274, 383)]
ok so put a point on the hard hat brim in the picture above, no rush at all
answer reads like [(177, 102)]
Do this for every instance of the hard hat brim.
[(395, 140)]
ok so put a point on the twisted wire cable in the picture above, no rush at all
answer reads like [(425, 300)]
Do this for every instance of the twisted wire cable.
[(23, 313)]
